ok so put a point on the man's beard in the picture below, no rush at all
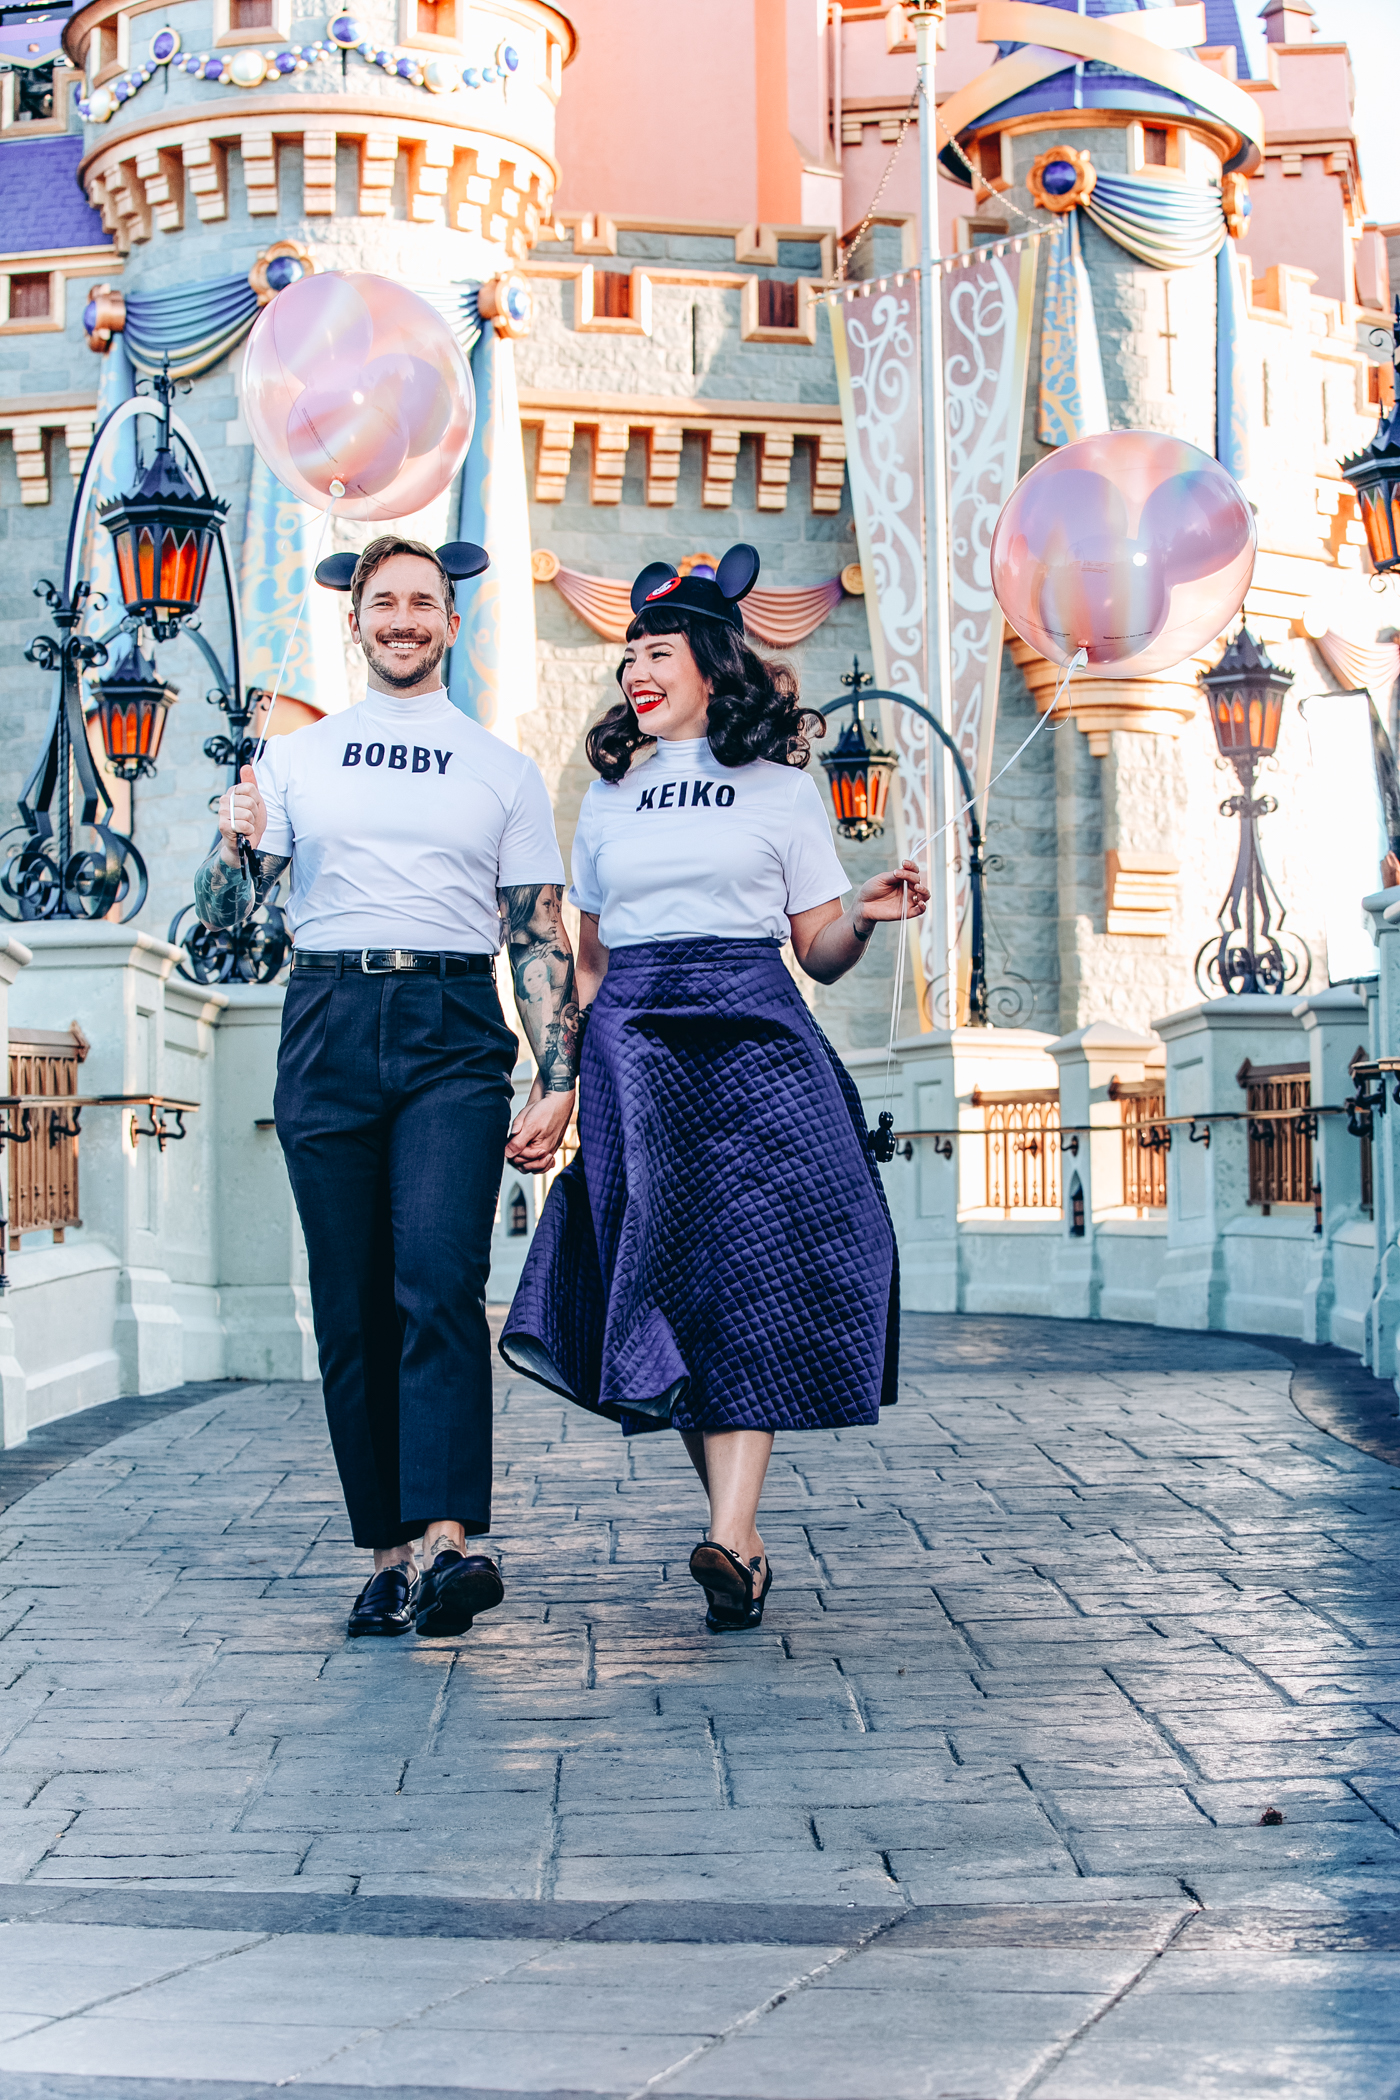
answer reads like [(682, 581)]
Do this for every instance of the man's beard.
[(384, 668)]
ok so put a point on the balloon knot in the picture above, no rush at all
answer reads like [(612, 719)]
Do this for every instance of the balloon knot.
[(337, 490)]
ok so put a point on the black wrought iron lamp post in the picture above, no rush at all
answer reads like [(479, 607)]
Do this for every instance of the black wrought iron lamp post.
[(163, 534), (1245, 693), (860, 770)]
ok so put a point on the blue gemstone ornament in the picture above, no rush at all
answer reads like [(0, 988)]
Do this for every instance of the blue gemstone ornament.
[(90, 315), (488, 74), (164, 44), (1059, 177), (214, 69), (284, 270), (517, 303), (286, 61), (346, 31), (508, 58), (471, 76), (405, 68)]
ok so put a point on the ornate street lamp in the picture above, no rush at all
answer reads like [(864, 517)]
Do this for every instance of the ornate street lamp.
[(132, 703), (1375, 475), (860, 771), (163, 535), (1245, 694), (67, 862)]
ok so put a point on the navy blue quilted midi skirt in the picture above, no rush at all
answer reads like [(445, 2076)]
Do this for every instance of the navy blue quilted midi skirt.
[(719, 1253)]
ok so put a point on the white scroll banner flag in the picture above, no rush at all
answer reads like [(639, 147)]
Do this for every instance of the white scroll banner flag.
[(987, 304)]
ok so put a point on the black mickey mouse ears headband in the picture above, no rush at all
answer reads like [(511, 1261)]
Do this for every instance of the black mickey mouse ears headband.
[(714, 592), (460, 558)]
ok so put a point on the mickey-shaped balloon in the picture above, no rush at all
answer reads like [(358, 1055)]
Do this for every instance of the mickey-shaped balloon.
[(715, 592), (1133, 546), (460, 558)]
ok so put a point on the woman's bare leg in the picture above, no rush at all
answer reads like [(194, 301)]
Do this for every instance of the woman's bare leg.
[(736, 1461), (694, 1441)]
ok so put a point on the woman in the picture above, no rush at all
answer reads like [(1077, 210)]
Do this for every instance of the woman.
[(719, 1256)]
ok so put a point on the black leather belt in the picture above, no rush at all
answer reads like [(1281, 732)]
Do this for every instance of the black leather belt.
[(385, 962)]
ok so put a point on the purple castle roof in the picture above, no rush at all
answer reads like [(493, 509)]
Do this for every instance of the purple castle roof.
[(41, 205)]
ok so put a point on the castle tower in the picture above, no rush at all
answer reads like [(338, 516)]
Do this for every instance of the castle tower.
[(1135, 148), (412, 140)]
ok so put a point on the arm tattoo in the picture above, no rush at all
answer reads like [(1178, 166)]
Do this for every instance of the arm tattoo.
[(542, 968), (224, 897)]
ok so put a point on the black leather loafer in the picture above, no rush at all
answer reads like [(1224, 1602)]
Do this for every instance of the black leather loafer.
[(453, 1590), (385, 1604)]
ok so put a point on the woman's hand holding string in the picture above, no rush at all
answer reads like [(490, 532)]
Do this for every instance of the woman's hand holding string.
[(883, 897), (828, 941)]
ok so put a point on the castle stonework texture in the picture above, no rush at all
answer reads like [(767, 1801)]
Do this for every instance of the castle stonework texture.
[(635, 214)]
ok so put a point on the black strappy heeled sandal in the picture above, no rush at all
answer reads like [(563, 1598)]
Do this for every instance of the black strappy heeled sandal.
[(729, 1588)]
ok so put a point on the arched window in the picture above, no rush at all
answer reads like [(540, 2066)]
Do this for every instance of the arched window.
[(517, 1214)]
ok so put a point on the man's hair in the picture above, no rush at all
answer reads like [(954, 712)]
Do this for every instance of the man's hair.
[(384, 549)]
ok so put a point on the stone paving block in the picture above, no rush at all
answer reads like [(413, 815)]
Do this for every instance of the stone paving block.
[(123, 2047), (53, 1969)]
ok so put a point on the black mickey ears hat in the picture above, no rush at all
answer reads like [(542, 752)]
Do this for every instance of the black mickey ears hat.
[(460, 558), (702, 591)]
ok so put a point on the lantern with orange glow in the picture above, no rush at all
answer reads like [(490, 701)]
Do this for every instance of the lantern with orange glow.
[(132, 704), (859, 771), (1375, 473), (163, 536), (1246, 692)]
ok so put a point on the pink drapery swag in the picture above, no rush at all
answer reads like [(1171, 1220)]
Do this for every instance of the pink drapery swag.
[(987, 303), (781, 618), (1371, 667)]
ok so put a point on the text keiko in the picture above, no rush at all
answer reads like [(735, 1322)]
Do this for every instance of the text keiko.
[(699, 796)]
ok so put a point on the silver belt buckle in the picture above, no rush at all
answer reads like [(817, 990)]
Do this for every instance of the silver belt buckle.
[(368, 971)]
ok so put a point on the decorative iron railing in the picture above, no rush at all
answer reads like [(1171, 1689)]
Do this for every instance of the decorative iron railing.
[(44, 1164), (1281, 1147), (1143, 1104), (1023, 1149)]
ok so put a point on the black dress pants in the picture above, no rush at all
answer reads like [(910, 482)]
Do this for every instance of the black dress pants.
[(392, 1106)]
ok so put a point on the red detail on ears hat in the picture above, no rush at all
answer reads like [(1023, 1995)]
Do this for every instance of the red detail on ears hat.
[(715, 595)]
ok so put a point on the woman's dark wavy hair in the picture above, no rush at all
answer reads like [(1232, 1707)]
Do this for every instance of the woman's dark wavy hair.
[(755, 711)]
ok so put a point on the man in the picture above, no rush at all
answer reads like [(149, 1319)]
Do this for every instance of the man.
[(412, 835)]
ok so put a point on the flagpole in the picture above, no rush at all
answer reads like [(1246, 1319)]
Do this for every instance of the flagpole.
[(925, 18)]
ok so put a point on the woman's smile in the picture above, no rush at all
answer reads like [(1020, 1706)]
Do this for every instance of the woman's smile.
[(644, 698)]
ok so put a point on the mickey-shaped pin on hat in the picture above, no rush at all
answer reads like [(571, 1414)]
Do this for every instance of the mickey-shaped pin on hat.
[(460, 558), (715, 592)]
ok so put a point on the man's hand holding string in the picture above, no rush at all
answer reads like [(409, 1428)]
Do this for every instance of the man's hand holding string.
[(223, 894), (541, 961)]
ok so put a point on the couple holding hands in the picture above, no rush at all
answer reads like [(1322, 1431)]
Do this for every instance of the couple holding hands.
[(718, 1257)]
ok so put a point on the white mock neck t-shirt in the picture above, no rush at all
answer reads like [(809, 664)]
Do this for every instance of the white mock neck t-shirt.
[(403, 818), (684, 847)]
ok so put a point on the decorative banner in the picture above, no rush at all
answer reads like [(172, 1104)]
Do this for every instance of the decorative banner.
[(280, 535), (1350, 815), (492, 673), (1073, 403), (1231, 377), (988, 298)]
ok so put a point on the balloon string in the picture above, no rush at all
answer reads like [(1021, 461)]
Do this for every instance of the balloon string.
[(337, 490), (1078, 661)]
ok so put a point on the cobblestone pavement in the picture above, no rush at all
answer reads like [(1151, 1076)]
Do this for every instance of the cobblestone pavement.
[(977, 1814)]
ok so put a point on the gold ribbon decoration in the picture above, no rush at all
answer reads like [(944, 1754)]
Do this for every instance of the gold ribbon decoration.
[(1144, 44)]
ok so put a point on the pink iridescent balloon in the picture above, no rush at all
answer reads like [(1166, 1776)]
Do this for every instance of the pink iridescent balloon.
[(1132, 546), (353, 378)]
